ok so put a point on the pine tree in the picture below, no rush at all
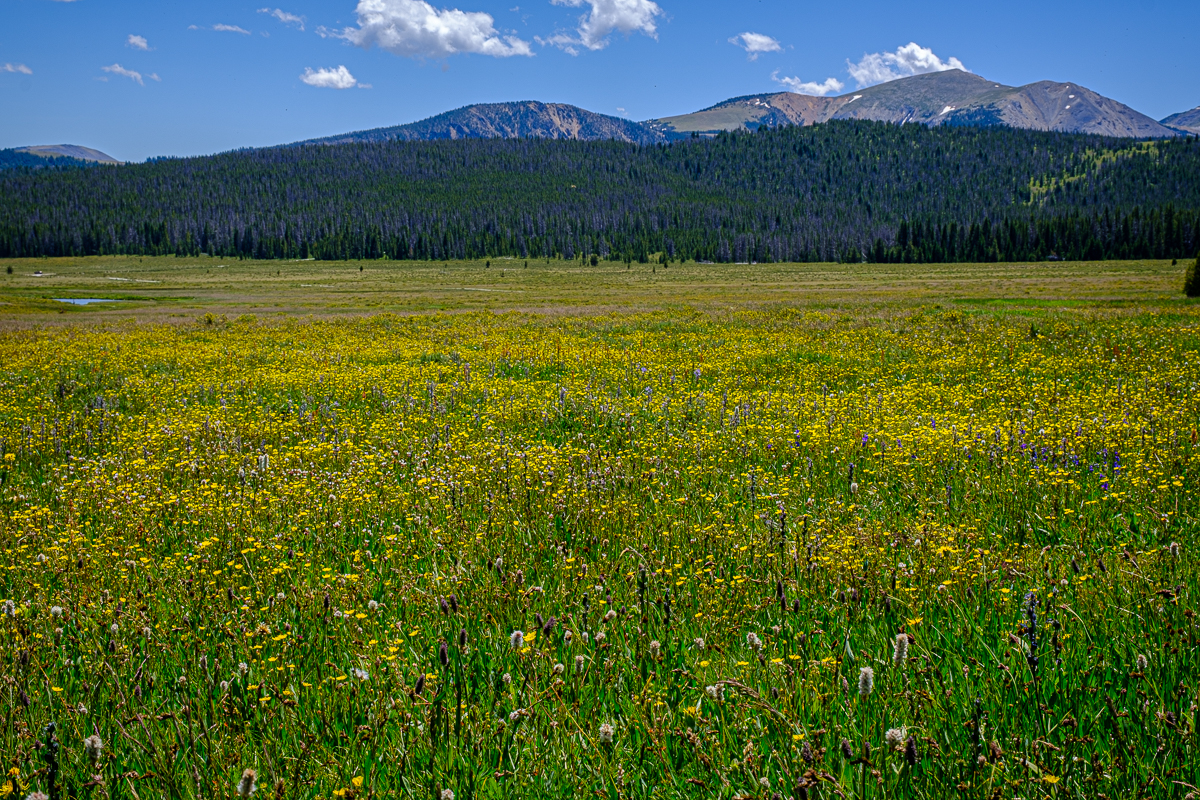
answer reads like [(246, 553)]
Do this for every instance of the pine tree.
[(1191, 283)]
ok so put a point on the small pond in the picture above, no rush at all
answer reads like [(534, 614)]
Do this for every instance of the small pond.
[(83, 301)]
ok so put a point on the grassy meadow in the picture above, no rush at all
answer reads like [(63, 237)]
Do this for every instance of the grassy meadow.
[(770, 531)]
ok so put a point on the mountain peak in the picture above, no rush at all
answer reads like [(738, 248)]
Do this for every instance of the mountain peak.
[(516, 120)]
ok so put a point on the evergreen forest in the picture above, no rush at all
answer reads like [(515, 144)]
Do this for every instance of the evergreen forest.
[(840, 191)]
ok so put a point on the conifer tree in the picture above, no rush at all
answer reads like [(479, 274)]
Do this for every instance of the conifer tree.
[(1191, 283)]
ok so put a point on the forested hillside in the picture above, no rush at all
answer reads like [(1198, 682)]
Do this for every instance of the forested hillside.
[(842, 190)]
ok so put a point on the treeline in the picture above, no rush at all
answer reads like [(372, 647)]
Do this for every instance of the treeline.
[(847, 190)]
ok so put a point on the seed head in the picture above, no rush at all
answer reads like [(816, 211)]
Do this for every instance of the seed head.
[(517, 639), (866, 681), (753, 642), (699, 643), (372, 606), (910, 751), (506, 679), (447, 794), (1175, 549), (444, 654), (610, 615), (847, 750), (558, 669), (36, 796), (93, 748), (246, 786), (901, 653), (895, 737), (580, 662), (56, 611), (655, 648), (606, 733), (462, 638), (1142, 663)]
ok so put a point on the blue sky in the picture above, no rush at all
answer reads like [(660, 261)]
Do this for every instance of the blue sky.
[(140, 79)]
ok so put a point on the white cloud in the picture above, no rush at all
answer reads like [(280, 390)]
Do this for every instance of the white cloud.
[(284, 17), (137, 42), (755, 44), (117, 69), (799, 86), (415, 29), (323, 78), (230, 29), (911, 59), (606, 16), (21, 68)]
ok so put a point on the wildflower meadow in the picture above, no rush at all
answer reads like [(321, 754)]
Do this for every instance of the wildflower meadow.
[(773, 553)]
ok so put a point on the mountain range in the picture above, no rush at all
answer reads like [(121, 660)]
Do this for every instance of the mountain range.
[(953, 98), (941, 98)]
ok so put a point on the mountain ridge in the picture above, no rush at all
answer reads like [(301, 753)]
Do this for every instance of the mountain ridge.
[(1185, 121)]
